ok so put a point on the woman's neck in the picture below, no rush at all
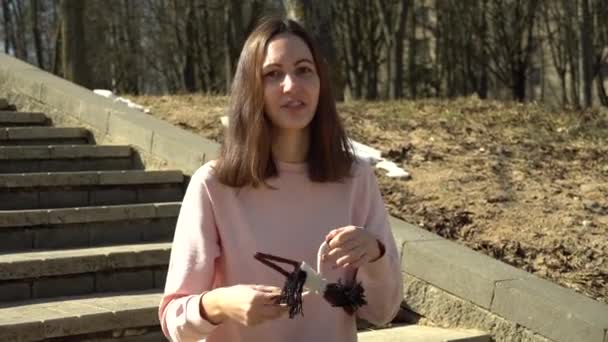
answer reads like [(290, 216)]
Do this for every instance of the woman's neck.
[(291, 146)]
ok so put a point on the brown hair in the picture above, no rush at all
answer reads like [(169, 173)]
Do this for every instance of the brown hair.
[(245, 156)]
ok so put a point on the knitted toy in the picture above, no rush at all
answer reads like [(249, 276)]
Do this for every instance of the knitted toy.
[(347, 296)]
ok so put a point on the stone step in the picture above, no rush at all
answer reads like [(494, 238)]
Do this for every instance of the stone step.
[(44, 136), (52, 158), (10, 118), (108, 317), (420, 333), (87, 226), (88, 188), (115, 313), (45, 274)]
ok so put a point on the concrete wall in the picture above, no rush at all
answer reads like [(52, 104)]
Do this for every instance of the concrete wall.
[(444, 281)]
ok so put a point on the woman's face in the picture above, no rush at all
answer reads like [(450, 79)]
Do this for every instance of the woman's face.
[(291, 83)]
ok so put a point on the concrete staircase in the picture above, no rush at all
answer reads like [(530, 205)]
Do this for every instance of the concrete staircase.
[(85, 237)]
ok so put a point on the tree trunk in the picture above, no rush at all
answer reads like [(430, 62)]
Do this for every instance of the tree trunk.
[(586, 53), (191, 37), (74, 63), (228, 43), (36, 33), (394, 29), (8, 27), (317, 17)]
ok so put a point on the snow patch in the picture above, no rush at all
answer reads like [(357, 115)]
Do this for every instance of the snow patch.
[(129, 103)]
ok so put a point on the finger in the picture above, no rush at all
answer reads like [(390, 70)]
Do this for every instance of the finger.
[(343, 236), (350, 258), (332, 234), (345, 247), (358, 263), (266, 288)]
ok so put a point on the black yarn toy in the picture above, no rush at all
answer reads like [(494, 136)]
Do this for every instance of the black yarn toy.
[(347, 296)]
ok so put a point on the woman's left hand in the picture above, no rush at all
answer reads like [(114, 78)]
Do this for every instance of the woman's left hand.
[(350, 247)]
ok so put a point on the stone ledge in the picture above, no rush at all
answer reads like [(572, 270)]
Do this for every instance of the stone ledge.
[(41, 320), (33, 133), (458, 269), (10, 117), (83, 260), (38, 217), (450, 311), (89, 178), (63, 152), (566, 316)]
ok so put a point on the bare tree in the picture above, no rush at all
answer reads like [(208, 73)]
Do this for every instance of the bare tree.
[(34, 8), (75, 66), (393, 26), (586, 34), (511, 42), (318, 17)]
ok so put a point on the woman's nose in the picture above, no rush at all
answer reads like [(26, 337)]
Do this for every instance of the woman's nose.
[(289, 83)]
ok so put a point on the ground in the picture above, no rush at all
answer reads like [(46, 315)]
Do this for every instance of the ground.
[(521, 183)]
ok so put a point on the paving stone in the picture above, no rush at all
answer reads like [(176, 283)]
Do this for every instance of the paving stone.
[(44, 141), (63, 286), (162, 193), (21, 152), (12, 239), (102, 213), (85, 260), (32, 133), (19, 218), (98, 164), (140, 177), (21, 331), (50, 263), (169, 209), (60, 237), (20, 166), (160, 277), (90, 151), (142, 255), (11, 117), (63, 198), (14, 291), (118, 232), (12, 200), (129, 280), (113, 196), (48, 179), (159, 229)]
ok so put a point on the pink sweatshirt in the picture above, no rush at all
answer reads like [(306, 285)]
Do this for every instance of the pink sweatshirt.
[(220, 228)]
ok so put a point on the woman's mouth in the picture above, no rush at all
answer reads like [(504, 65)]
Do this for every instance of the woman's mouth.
[(293, 104)]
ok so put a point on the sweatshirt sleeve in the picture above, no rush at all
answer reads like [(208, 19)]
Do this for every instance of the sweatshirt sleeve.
[(192, 265), (382, 278)]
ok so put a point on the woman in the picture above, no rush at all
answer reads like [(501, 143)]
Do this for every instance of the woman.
[(285, 181)]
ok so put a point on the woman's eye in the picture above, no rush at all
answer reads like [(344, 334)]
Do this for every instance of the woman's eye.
[(304, 70), (272, 74)]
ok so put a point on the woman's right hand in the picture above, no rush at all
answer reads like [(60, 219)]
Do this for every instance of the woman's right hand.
[(248, 305)]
